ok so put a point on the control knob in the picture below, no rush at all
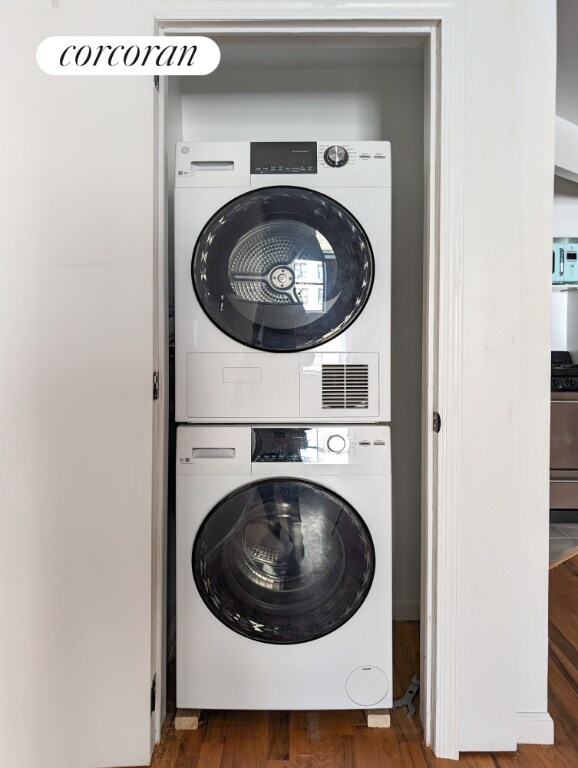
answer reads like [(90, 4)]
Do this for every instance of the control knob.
[(336, 156), (336, 443)]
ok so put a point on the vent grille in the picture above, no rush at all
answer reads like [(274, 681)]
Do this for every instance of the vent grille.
[(345, 386)]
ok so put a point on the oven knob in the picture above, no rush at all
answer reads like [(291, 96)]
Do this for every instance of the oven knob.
[(336, 156), (336, 443), (570, 383)]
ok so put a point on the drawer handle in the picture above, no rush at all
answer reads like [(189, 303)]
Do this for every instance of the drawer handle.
[(213, 453)]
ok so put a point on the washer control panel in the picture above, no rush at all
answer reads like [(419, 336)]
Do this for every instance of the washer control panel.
[(296, 450), (317, 445)]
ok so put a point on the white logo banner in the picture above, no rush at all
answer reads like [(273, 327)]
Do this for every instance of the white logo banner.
[(126, 55)]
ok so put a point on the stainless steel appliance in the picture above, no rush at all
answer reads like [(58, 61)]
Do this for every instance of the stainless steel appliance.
[(564, 432), (564, 373)]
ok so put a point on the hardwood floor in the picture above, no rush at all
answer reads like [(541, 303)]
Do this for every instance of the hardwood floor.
[(341, 739)]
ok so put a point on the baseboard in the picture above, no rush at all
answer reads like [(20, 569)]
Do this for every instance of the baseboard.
[(406, 610), (534, 728)]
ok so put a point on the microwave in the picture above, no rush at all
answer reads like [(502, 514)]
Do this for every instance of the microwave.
[(564, 260)]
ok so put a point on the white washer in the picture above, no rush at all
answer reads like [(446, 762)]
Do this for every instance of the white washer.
[(282, 281), (283, 567)]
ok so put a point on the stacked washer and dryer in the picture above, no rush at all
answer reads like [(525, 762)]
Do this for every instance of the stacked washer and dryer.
[(282, 318)]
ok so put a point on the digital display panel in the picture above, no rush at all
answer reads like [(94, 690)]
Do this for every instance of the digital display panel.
[(287, 157), (286, 445)]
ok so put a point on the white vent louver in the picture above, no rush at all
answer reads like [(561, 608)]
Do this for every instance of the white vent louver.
[(345, 386)]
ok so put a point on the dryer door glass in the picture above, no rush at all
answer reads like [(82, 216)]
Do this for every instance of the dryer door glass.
[(283, 561), (283, 269)]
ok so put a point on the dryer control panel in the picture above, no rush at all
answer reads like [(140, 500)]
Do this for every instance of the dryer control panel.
[(283, 157), (328, 163)]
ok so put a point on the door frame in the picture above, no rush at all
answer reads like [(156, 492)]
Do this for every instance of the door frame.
[(442, 26)]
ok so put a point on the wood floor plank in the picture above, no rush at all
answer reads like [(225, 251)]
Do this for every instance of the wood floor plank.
[(567, 694), (299, 743), (313, 726), (475, 760), (339, 722), (216, 726), (189, 749), (539, 756), (243, 748), (412, 755), (278, 736), (408, 729), (561, 648), (184, 759), (366, 750), (517, 759), (358, 718), (211, 755), (439, 762), (322, 753), (388, 752), (566, 623), (344, 752)]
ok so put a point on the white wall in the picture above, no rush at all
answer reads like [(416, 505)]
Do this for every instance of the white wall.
[(504, 521), (559, 339), (285, 101), (76, 343), (566, 158), (76, 339), (566, 206), (566, 98)]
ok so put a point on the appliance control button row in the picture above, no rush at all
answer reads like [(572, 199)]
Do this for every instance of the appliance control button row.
[(375, 442)]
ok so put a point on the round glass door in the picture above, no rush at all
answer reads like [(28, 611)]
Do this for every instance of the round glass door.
[(282, 269), (283, 561)]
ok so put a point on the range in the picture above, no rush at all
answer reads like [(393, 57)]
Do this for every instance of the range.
[(564, 375)]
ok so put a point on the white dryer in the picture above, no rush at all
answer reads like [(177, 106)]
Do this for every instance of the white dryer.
[(284, 567), (282, 281)]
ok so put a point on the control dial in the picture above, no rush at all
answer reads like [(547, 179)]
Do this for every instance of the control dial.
[(336, 443), (336, 156)]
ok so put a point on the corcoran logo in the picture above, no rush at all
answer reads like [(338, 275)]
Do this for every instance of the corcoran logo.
[(92, 55)]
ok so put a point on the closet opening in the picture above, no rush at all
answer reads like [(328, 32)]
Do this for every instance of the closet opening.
[(310, 87)]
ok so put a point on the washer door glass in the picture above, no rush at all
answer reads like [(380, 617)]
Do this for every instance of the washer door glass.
[(283, 269), (283, 561)]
